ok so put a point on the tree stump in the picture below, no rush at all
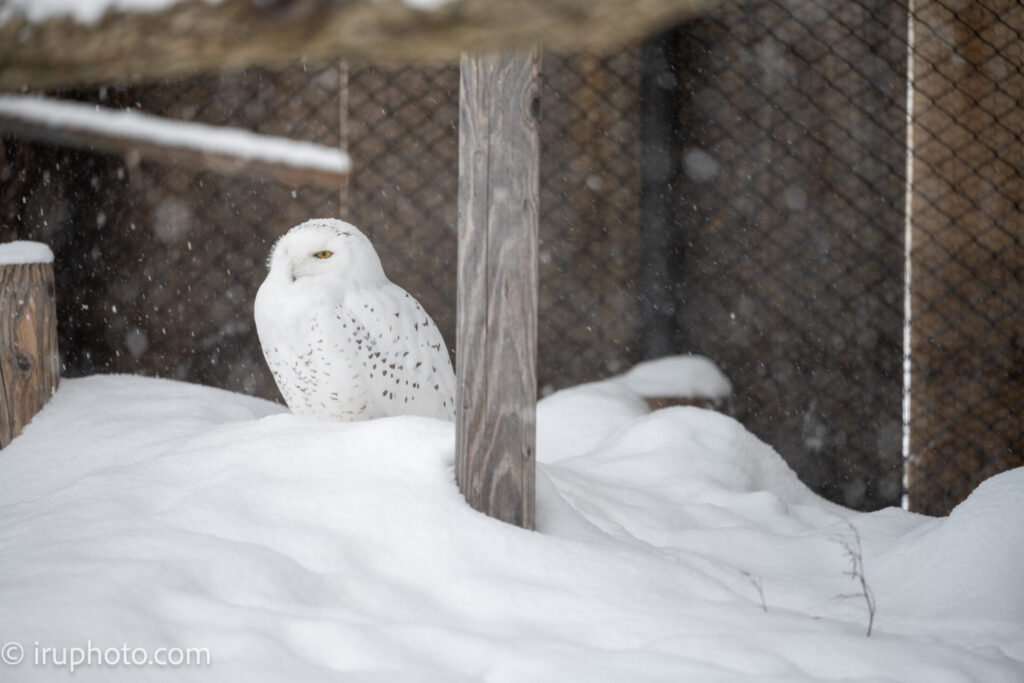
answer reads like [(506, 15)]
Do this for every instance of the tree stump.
[(29, 361)]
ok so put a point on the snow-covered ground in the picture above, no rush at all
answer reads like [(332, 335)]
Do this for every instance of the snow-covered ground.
[(156, 514)]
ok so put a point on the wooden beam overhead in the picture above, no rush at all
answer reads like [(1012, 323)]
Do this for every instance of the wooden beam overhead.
[(195, 35)]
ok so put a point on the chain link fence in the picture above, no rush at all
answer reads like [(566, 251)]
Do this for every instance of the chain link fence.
[(794, 156), (157, 265), (966, 407), (788, 244), (403, 138)]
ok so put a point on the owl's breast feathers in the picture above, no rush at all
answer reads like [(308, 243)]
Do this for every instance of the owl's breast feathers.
[(403, 359), (367, 353)]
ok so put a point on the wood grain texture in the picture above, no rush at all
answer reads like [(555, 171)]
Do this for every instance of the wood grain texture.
[(497, 284), (967, 255), (198, 35), (136, 149), (29, 362)]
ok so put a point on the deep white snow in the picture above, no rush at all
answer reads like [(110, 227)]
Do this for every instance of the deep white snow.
[(23, 251), (159, 514), (133, 125)]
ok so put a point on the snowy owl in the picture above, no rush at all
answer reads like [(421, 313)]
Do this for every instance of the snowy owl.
[(343, 341)]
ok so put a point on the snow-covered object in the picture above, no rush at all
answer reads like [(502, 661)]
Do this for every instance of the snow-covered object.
[(159, 514), (677, 376), (129, 124), (23, 251), (82, 11), (91, 11), (342, 341)]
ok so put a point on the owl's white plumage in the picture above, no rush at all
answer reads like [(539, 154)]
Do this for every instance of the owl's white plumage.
[(342, 341)]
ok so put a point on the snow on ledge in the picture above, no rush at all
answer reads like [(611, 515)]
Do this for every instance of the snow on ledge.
[(21, 251), (678, 377), (82, 11), (91, 11), (133, 125)]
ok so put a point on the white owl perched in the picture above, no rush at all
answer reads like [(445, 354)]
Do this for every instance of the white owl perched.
[(343, 341)]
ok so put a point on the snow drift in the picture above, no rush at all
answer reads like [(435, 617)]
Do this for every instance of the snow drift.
[(671, 546)]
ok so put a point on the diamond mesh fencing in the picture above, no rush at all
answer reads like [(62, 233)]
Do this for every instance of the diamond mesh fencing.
[(403, 138), (787, 184), (794, 160), (967, 276)]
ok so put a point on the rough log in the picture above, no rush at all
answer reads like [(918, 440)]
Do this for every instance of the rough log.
[(195, 35), (29, 362), (497, 284)]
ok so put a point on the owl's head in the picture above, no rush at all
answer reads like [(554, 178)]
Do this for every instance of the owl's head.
[(326, 249)]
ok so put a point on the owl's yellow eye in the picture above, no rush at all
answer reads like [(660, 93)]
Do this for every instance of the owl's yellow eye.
[(323, 254)]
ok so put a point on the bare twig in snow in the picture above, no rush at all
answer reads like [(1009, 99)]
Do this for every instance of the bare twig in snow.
[(855, 554), (756, 581)]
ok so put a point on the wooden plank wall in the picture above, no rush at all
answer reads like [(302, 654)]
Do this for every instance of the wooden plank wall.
[(967, 342)]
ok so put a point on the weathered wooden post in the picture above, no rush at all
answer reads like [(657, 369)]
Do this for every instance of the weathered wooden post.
[(29, 362), (497, 284)]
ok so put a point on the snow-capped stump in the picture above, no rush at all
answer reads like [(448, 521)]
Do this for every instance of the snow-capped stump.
[(29, 362), (686, 380)]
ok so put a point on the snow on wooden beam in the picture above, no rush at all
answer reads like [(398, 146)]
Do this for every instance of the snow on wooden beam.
[(29, 362), (496, 349), (221, 149), (194, 35)]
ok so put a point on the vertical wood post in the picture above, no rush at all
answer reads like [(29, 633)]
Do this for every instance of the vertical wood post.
[(343, 126), (661, 139), (29, 363), (496, 355)]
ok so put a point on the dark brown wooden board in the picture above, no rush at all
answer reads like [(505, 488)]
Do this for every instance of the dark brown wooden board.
[(29, 362), (967, 255), (496, 332)]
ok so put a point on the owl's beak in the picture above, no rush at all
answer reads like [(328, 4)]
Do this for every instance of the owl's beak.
[(295, 275)]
